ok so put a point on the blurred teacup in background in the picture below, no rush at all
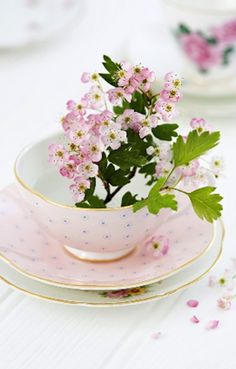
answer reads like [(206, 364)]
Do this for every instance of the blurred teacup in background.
[(205, 32)]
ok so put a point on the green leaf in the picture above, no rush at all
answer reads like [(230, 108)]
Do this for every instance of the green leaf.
[(126, 157), (194, 146), (138, 102), (148, 169), (151, 181), (227, 54), (156, 200), (92, 202), (206, 204), (118, 178), (165, 132), (108, 78), (156, 188), (184, 29), (128, 199), (109, 171), (109, 65), (82, 204), (120, 109), (96, 202), (137, 144), (159, 201), (139, 205), (211, 40), (89, 192), (103, 163)]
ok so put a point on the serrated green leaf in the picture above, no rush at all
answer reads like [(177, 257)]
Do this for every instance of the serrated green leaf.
[(108, 78), (109, 171), (165, 132), (160, 201), (126, 157), (92, 202), (82, 204), (206, 203), (139, 205), (148, 169), (103, 163), (156, 188), (109, 65), (138, 102), (128, 199), (89, 192), (96, 202), (120, 109), (136, 144), (118, 178), (151, 181), (194, 146)]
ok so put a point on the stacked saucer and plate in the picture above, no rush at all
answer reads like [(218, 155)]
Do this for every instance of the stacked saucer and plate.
[(94, 257)]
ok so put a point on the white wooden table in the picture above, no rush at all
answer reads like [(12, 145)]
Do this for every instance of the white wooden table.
[(34, 85)]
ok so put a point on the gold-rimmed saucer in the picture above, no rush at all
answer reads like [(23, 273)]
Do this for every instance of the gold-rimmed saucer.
[(185, 278), (35, 254)]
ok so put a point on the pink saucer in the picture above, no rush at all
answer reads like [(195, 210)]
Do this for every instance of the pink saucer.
[(32, 252)]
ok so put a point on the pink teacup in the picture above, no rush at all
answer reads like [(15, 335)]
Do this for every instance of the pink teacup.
[(92, 234)]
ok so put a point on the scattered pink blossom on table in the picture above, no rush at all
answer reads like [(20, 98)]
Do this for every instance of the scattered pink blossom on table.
[(225, 302), (156, 335), (227, 282), (194, 319), (193, 303), (212, 324)]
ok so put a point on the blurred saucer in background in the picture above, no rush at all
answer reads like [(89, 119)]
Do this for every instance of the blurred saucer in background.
[(24, 22)]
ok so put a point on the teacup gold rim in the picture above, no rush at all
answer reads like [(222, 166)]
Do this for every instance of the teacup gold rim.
[(45, 198), (195, 9), (112, 286), (133, 302)]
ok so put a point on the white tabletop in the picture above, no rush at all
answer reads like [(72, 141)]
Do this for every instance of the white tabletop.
[(35, 82)]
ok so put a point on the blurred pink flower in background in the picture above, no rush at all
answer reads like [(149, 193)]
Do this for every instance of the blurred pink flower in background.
[(226, 33), (202, 53)]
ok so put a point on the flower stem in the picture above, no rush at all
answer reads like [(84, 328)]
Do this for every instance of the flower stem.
[(177, 189)]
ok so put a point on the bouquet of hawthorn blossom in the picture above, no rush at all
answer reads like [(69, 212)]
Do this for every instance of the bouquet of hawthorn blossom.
[(115, 132)]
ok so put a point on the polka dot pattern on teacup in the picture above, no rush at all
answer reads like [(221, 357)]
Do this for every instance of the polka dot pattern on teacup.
[(30, 249)]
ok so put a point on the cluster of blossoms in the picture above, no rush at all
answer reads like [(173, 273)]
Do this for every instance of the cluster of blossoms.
[(92, 128), (207, 51), (112, 134)]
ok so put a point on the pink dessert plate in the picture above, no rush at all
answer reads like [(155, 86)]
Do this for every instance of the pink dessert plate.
[(32, 252)]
